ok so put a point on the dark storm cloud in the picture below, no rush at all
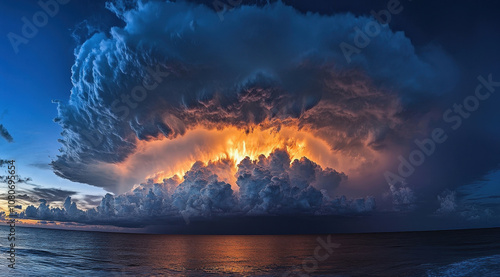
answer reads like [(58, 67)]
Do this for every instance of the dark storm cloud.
[(5, 134), (176, 65)]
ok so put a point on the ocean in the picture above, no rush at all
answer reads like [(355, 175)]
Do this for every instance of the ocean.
[(46, 252)]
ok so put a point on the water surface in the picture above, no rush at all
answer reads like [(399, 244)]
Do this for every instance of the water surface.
[(45, 252)]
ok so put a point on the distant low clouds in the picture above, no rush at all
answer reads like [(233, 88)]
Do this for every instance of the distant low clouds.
[(451, 205), (34, 196), (447, 202), (26, 197), (91, 201), (5, 134), (18, 179), (41, 165), (51, 194), (30, 192)]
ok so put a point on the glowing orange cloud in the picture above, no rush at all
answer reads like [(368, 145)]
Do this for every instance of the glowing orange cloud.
[(164, 158)]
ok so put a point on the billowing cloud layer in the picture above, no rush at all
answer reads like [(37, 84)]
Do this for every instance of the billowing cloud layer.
[(267, 186), (175, 66)]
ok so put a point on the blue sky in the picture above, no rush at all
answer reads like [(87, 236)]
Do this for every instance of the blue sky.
[(31, 79)]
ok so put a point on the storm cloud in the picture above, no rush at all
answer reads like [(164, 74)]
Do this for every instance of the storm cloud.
[(175, 66)]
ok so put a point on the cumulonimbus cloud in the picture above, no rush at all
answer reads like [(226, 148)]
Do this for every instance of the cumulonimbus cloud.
[(174, 67)]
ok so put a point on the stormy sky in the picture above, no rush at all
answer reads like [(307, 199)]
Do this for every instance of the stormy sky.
[(263, 116)]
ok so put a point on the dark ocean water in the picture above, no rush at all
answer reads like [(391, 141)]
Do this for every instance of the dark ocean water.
[(44, 252)]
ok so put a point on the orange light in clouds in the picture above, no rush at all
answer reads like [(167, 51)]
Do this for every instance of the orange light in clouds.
[(163, 158), (235, 144)]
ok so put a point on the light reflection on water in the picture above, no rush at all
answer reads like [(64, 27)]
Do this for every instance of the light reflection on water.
[(43, 252)]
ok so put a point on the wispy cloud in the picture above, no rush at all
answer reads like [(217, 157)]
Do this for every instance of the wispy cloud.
[(5, 134), (42, 165)]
